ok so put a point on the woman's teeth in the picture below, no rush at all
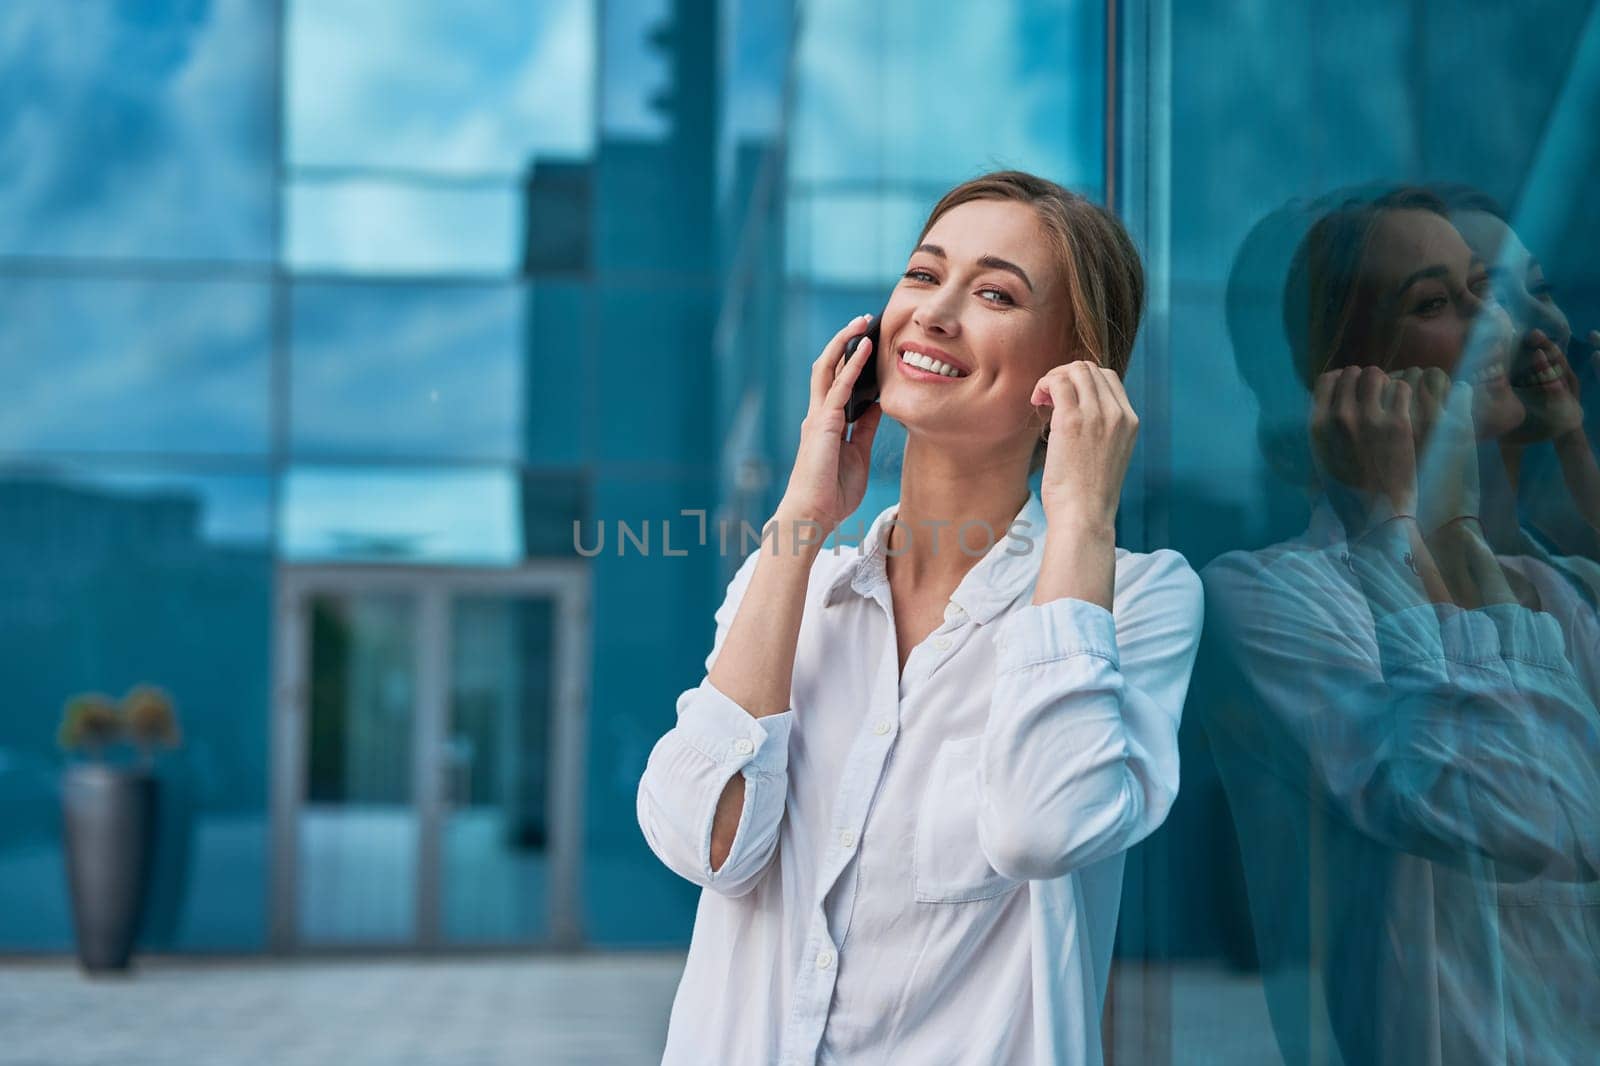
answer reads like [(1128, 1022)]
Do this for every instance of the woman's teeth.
[(1541, 375), (1491, 373), (924, 362)]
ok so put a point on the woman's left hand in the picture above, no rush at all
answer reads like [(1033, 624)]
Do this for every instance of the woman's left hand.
[(1092, 430)]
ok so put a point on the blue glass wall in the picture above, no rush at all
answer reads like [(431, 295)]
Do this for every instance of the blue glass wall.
[(1342, 844)]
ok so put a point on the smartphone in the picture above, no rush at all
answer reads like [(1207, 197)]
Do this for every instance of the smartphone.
[(865, 392)]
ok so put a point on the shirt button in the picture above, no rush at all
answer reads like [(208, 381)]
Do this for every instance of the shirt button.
[(943, 643), (824, 959), (953, 611), (847, 838), (881, 728), (743, 746)]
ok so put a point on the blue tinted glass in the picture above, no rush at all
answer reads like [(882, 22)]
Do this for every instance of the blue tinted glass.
[(111, 579), (637, 70), (886, 92), (365, 226), (408, 370), (401, 515), (137, 130), (1369, 370), (136, 366), (506, 81), (857, 238)]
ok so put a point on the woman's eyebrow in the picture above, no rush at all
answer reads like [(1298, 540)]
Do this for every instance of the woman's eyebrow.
[(992, 262), (1438, 270)]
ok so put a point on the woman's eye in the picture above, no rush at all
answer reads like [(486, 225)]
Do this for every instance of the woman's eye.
[(918, 274), (1005, 297), (1432, 306)]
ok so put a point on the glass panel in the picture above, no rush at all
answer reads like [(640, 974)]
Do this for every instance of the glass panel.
[(358, 830), (638, 70), (1390, 743), (438, 515), (371, 226), (508, 81), (497, 826), (137, 130), (110, 579), (856, 238), (136, 366), (887, 94), (409, 370)]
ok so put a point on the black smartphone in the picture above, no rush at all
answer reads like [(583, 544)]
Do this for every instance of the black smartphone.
[(865, 392)]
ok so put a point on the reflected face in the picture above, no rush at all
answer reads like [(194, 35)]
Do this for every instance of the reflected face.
[(977, 319), (1539, 372), (1428, 304)]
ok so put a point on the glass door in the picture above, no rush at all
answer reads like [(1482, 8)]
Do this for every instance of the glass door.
[(428, 759), (357, 834), (495, 803)]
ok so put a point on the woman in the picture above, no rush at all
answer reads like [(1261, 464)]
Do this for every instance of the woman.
[(909, 775), (1410, 744), (1548, 461)]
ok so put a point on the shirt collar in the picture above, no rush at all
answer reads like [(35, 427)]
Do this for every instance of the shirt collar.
[(1004, 573)]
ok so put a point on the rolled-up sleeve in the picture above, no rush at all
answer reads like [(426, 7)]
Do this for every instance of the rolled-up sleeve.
[(1079, 756), (691, 765)]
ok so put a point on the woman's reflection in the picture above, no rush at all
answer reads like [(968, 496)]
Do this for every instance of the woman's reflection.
[(1411, 756)]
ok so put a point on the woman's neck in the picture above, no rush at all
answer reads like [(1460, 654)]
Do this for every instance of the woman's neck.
[(940, 496)]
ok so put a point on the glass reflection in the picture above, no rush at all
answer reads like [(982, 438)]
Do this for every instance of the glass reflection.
[(110, 578), (358, 830), (100, 365), (386, 227), (407, 370), (409, 515), (881, 87), (507, 81), (497, 828), (1410, 743), (137, 130)]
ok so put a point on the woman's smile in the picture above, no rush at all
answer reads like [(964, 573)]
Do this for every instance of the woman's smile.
[(921, 362)]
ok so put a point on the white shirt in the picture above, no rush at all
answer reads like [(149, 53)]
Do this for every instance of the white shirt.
[(927, 867), (1418, 803)]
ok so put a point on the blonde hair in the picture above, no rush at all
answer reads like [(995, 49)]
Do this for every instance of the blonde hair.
[(1104, 277)]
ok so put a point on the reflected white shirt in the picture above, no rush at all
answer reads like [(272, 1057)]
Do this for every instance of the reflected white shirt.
[(1417, 801), (927, 867)]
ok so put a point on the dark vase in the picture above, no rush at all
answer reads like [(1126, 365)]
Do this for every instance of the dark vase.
[(171, 846), (110, 813)]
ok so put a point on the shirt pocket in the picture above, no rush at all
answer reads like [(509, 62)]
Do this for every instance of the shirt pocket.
[(947, 865)]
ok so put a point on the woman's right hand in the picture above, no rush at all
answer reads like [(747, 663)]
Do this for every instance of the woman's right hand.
[(1361, 439), (830, 473)]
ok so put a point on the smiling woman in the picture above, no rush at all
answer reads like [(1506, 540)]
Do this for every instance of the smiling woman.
[(927, 748), (1088, 268)]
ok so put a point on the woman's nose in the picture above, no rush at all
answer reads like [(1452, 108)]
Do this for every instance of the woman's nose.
[(938, 314)]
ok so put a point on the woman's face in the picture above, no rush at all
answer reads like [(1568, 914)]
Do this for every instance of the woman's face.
[(983, 296), (1539, 371), (1427, 305)]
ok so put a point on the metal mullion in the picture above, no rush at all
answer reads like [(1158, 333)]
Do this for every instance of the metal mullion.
[(433, 653)]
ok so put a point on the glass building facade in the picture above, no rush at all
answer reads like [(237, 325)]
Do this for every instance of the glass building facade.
[(337, 331)]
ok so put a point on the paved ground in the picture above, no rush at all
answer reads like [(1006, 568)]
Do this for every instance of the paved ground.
[(599, 1009), (551, 1010)]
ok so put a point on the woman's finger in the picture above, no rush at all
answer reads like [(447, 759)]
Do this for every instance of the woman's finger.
[(1102, 388), (1055, 389), (1346, 403), (823, 369), (1119, 392), (1083, 374), (845, 380)]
